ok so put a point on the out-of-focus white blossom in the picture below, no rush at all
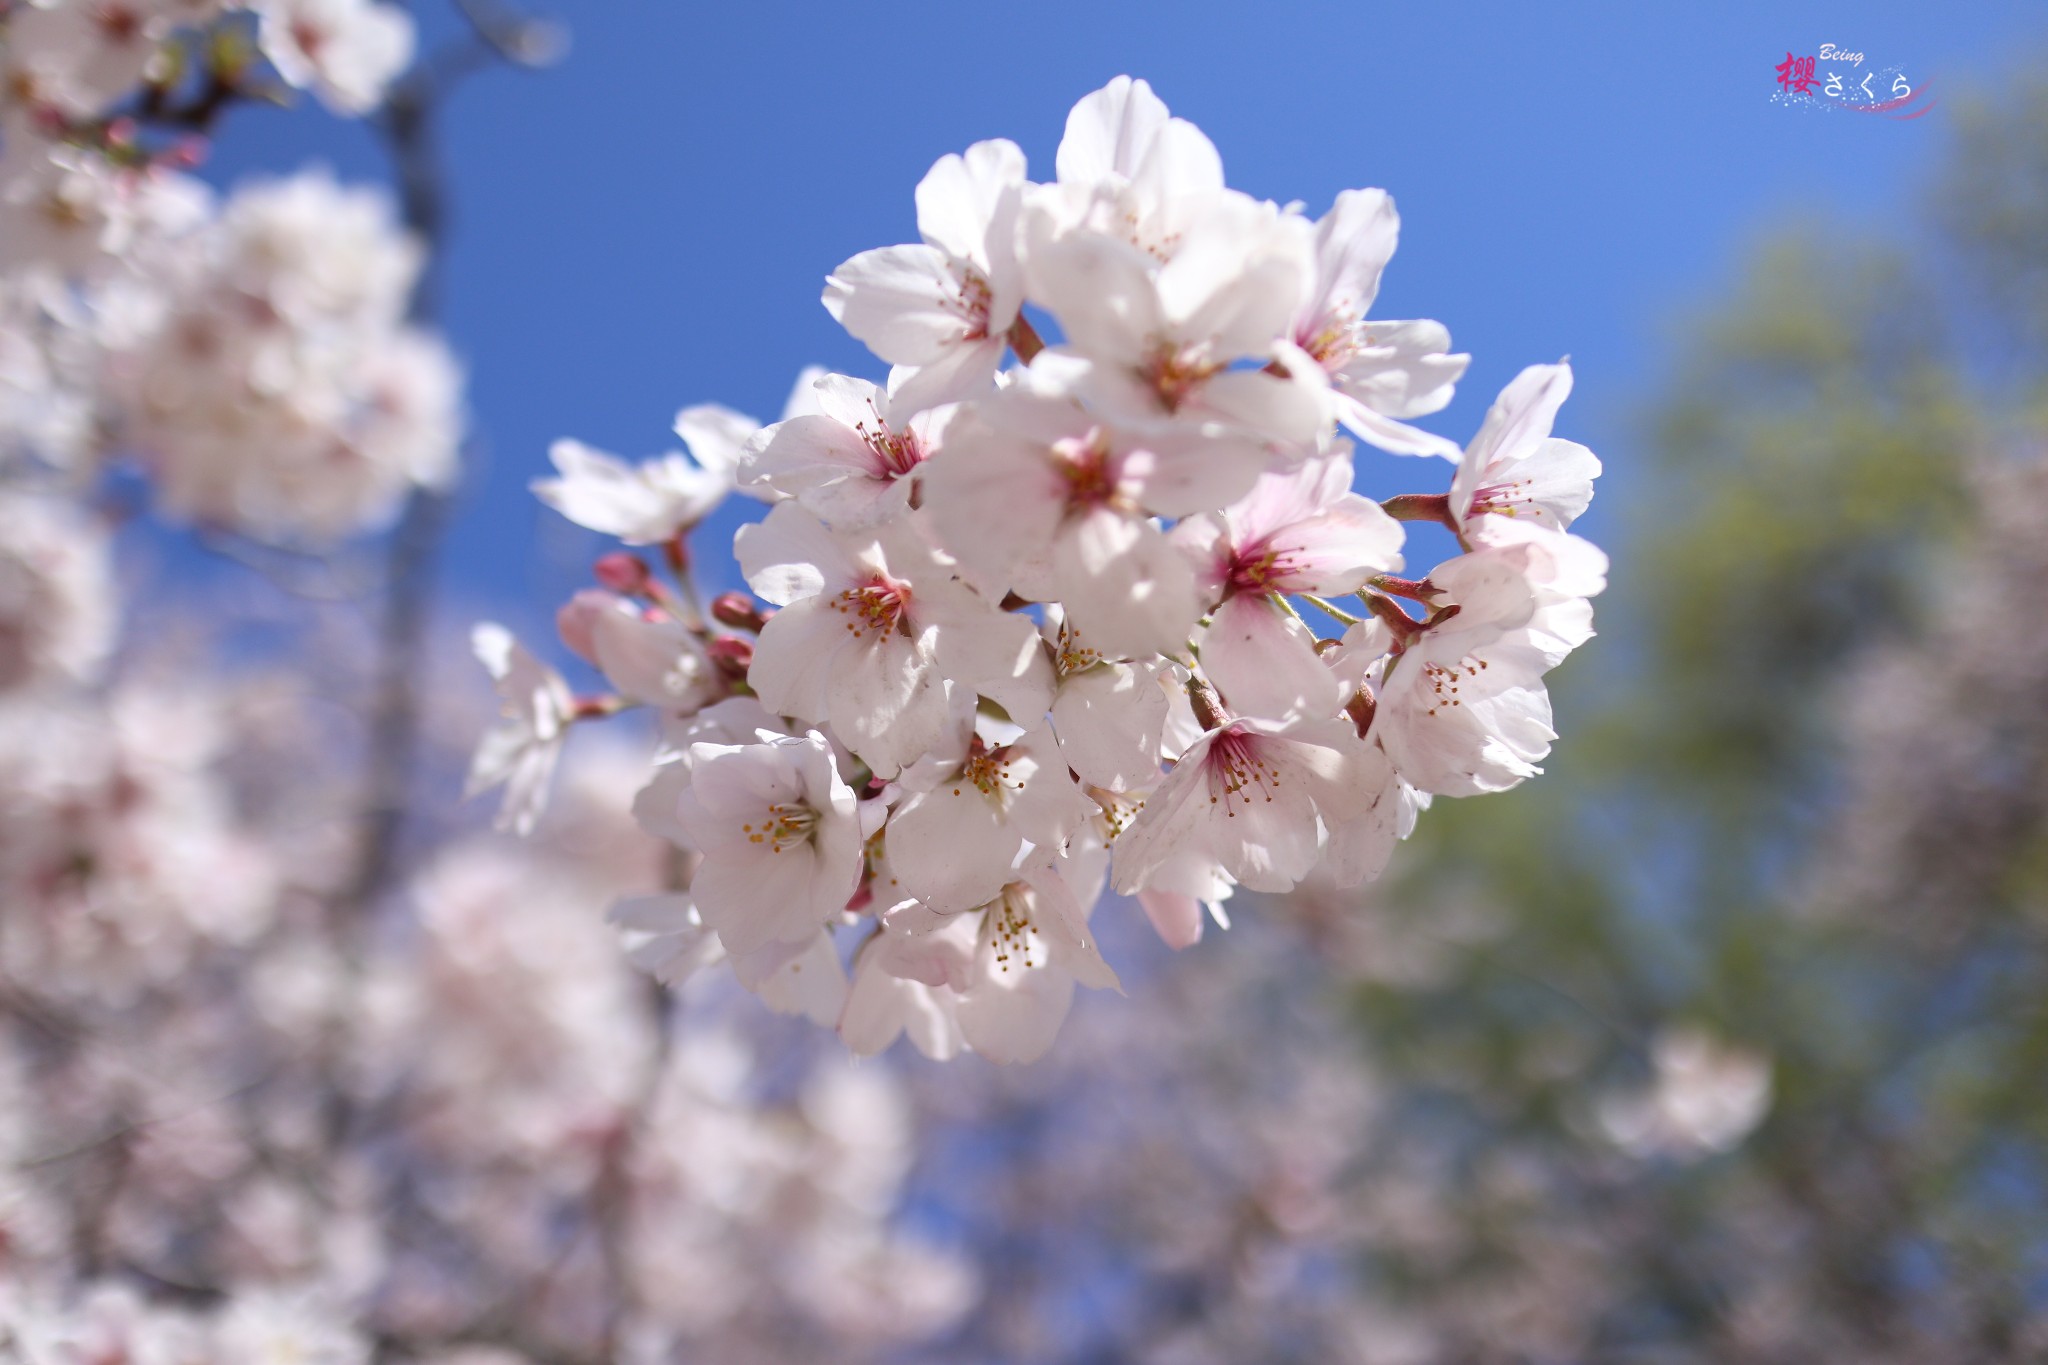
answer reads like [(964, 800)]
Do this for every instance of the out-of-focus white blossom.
[(57, 608), (121, 854), (1705, 1096), (535, 709), (347, 52), (281, 393)]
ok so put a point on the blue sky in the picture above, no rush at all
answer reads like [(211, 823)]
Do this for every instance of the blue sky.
[(648, 225)]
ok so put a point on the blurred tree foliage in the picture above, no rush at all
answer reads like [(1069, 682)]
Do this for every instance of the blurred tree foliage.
[(1814, 547)]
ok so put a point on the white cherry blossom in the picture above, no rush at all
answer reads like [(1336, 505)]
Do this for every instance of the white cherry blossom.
[(1379, 371), (276, 388), (890, 997), (1031, 949), (1037, 628), (521, 751), (1706, 1096), (81, 57), (1127, 168), (1516, 469), (1249, 800), (1035, 496), (871, 629), (1109, 715), (1150, 343), (854, 460), (648, 655), (1003, 971), (57, 605), (954, 839), (941, 309), (781, 840), (658, 499), (1462, 708)]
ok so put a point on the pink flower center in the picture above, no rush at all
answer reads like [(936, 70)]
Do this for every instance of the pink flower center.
[(1501, 499), (1239, 774), (972, 303), (987, 769), (309, 38), (1256, 569), (895, 453), (784, 825), (1085, 463), (1176, 372), (875, 608)]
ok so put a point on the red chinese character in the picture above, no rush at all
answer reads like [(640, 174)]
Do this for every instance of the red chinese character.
[(1796, 74)]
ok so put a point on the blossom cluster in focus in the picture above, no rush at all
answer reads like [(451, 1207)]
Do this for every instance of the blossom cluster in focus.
[(1054, 612)]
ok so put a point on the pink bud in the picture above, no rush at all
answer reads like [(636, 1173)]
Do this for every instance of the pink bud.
[(622, 573), (737, 610), (733, 655), (576, 622), (188, 153)]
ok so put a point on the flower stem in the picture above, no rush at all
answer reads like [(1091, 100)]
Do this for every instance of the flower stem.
[(1331, 609), (1404, 626), (1024, 339), (685, 604)]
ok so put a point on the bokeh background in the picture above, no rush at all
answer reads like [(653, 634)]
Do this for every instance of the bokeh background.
[(1722, 1041)]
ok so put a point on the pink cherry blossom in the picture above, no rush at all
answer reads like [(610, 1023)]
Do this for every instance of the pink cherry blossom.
[(1300, 531), (1249, 801)]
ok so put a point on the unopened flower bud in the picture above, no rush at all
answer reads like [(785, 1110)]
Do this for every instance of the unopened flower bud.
[(737, 610), (1361, 708), (187, 153), (732, 655), (1207, 707), (622, 573)]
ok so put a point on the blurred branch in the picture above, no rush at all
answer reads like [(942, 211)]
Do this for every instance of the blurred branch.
[(308, 577), (410, 134)]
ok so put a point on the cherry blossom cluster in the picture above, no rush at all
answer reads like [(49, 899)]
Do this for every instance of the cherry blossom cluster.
[(1074, 624), (253, 356), (72, 67)]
